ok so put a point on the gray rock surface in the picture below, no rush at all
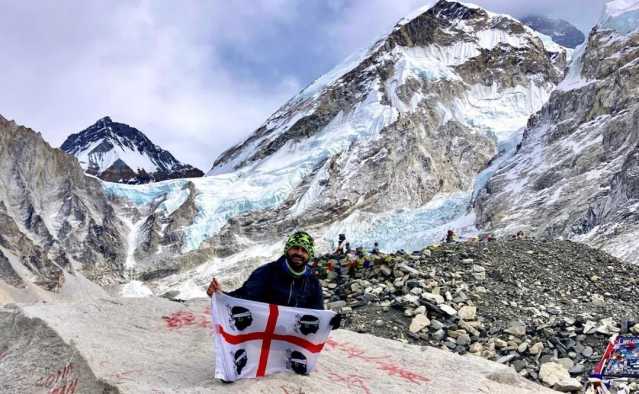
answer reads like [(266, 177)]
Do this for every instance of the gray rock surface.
[(157, 346), (575, 173), (56, 224)]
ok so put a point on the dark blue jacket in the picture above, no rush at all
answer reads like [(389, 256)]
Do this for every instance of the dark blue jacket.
[(272, 283)]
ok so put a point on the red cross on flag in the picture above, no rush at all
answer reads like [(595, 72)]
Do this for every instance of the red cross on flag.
[(255, 339)]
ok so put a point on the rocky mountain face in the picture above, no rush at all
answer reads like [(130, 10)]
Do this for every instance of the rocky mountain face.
[(56, 226), (576, 174), (413, 119), (116, 152), (545, 308), (561, 31)]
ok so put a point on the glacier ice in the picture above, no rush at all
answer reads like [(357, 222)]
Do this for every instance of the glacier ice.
[(621, 16), (266, 183)]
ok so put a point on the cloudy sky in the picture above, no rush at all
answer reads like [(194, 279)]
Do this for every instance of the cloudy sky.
[(194, 76)]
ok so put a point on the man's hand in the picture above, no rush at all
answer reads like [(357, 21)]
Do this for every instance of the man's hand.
[(213, 287)]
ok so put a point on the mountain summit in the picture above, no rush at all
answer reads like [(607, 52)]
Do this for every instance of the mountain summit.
[(387, 147), (116, 152)]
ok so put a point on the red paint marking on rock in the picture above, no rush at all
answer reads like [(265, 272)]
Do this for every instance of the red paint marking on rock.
[(127, 375), (186, 318), (382, 363), (351, 381)]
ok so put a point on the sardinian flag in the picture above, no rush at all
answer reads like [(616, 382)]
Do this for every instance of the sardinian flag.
[(254, 339)]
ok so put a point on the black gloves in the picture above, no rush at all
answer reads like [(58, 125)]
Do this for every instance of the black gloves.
[(336, 321)]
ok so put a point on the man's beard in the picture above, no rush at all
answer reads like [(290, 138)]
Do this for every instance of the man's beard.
[(297, 259)]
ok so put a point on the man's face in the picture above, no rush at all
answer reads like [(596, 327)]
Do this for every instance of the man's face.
[(297, 257)]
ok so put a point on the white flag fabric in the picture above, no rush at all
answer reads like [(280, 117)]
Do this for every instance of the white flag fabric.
[(254, 339)]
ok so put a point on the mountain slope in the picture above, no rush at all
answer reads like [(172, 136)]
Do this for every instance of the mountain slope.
[(561, 31), (56, 226), (576, 172), (116, 152), (388, 146)]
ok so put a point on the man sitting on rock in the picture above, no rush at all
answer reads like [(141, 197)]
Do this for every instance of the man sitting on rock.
[(288, 281)]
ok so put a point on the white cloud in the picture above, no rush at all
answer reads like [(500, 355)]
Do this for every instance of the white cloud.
[(151, 65), (167, 68)]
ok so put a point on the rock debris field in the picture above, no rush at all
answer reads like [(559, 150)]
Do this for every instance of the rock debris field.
[(545, 308)]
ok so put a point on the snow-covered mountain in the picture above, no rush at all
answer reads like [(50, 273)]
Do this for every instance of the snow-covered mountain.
[(457, 118), (116, 152), (576, 173), (561, 31), (57, 229), (388, 146)]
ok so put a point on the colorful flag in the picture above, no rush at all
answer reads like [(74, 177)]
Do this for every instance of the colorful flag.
[(255, 339)]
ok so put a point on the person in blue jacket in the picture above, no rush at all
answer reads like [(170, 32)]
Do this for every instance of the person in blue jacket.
[(288, 281)]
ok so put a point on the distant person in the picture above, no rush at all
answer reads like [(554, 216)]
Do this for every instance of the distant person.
[(340, 245), (375, 250), (450, 236)]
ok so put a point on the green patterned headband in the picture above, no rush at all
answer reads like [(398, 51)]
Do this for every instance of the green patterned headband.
[(303, 240)]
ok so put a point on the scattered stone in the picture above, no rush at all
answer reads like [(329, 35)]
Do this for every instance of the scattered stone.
[(436, 324), (476, 348), (436, 298), (336, 305), (590, 327), (522, 348), (418, 323), (587, 352), (479, 275), (598, 300), (467, 312), (537, 348), (568, 385), (517, 329), (577, 369), (566, 363), (449, 310), (386, 270), (553, 373), (507, 359), (463, 340), (439, 335), (500, 344)]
